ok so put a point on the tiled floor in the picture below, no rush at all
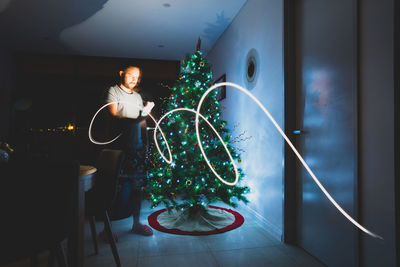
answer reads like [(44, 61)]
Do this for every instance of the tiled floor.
[(248, 245)]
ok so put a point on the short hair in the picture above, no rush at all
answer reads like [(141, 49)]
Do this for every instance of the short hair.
[(125, 69)]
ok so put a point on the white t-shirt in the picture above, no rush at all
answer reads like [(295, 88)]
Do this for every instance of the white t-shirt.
[(131, 104)]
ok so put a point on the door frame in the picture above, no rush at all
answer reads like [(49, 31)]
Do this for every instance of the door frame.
[(290, 181), (290, 216), (396, 70)]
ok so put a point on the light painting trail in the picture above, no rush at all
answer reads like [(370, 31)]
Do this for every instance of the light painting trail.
[(91, 123), (344, 213), (199, 142), (157, 127), (198, 114)]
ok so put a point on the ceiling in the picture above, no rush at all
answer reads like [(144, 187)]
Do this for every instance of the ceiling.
[(150, 29)]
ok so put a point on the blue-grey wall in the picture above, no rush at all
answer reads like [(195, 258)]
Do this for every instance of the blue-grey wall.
[(7, 84), (377, 131), (258, 25)]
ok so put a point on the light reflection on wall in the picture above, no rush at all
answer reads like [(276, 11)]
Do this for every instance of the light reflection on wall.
[(258, 25), (4, 4), (319, 82), (327, 144)]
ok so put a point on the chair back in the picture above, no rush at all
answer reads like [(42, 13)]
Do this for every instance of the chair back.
[(101, 196)]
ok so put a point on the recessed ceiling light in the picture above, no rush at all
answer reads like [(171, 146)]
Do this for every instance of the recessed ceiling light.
[(167, 5)]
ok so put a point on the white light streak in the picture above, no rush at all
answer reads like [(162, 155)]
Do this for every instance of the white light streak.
[(200, 143), (344, 213), (91, 123)]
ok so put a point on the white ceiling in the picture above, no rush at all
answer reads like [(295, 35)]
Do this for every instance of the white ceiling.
[(151, 29)]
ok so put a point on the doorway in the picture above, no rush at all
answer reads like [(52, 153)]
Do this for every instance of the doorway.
[(321, 109)]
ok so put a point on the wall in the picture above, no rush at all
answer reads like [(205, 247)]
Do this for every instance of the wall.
[(377, 131), (7, 84), (258, 25)]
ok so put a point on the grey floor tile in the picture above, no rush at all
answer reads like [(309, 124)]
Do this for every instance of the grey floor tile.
[(171, 245), (266, 256), (249, 237), (301, 257), (179, 260)]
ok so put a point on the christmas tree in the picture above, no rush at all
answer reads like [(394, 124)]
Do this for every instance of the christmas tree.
[(188, 183)]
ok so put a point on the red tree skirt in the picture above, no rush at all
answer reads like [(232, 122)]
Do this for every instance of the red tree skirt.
[(239, 220)]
